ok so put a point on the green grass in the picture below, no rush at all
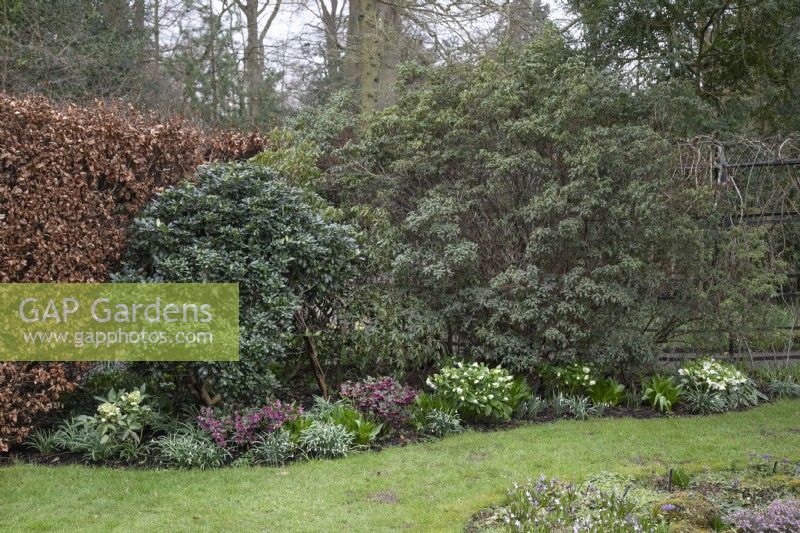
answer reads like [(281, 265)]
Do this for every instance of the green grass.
[(433, 486)]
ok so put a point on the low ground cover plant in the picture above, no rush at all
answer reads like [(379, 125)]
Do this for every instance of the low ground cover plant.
[(326, 440), (709, 386), (760, 497), (780, 516), (440, 423), (77, 437), (363, 427), (190, 447), (274, 449), (435, 414), (552, 505), (607, 392), (779, 380), (127, 426)]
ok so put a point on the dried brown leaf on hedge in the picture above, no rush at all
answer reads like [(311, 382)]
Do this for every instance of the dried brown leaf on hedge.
[(71, 180)]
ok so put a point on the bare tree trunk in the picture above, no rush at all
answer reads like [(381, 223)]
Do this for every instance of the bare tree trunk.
[(311, 351), (5, 53), (370, 57), (374, 41), (355, 31), (212, 59), (254, 68), (138, 16), (198, 389), (117, 14), (318, 372), (390, 46), (156, 36), (254, 51), (330, 17)]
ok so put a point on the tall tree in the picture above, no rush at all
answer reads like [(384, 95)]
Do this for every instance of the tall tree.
[(206, 64), (730, 51), (73, 49), (522, 20), (256, 31), (382, 34), (363, 51), (332, 19)]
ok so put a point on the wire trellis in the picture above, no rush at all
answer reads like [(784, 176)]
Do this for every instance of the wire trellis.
[(757, 181)]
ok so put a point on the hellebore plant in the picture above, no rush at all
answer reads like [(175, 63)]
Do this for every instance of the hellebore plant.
[(477, 390), (120, 416), (384, 398), (242, 430)]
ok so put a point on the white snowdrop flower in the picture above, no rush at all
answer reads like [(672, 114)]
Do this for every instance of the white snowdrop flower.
[(592, 382)]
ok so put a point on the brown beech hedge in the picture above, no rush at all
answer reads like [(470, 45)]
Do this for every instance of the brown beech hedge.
[(71, 180), (29, 390)]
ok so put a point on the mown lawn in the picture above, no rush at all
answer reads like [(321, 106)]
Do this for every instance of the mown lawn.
[(434, 486)]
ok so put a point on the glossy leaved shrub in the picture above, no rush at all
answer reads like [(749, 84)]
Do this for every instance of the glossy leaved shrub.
[(243, 223)]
